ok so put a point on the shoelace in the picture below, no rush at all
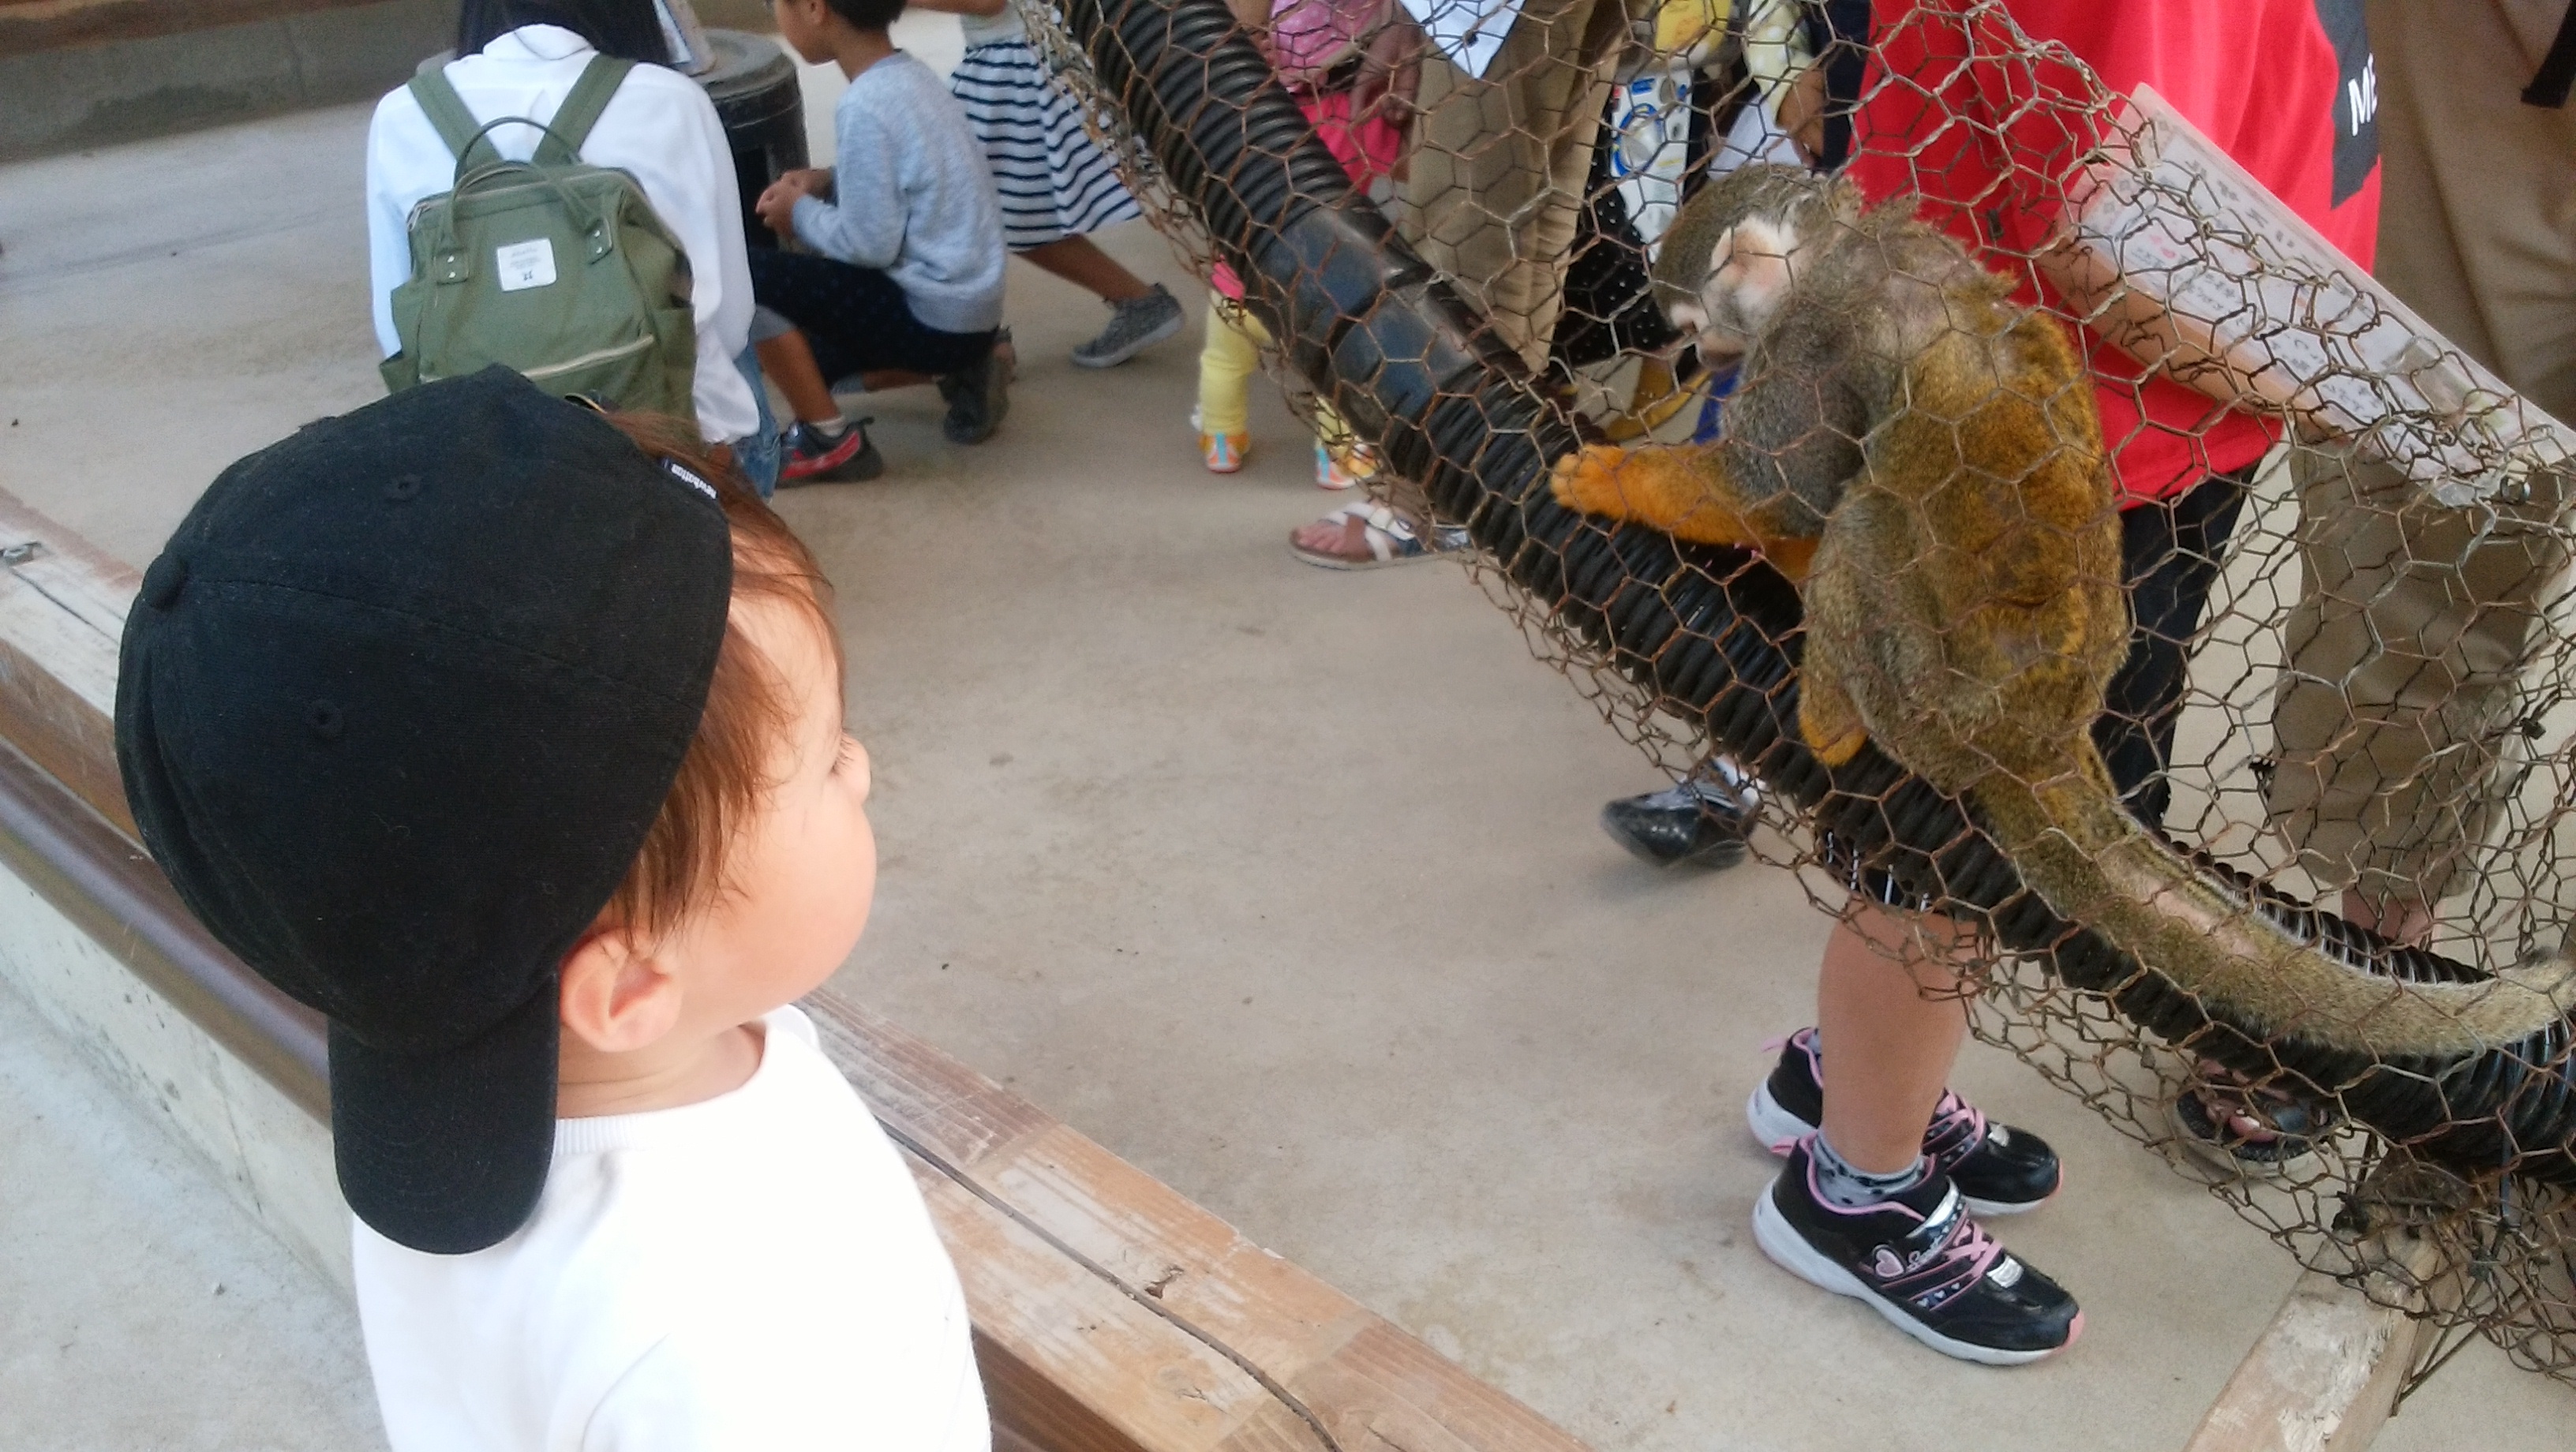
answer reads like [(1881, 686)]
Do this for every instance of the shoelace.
[(1958, 1127)]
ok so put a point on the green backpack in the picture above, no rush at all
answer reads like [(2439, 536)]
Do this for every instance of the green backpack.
[(554, 268)]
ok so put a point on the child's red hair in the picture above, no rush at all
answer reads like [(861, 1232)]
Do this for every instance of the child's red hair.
[(683, 868)]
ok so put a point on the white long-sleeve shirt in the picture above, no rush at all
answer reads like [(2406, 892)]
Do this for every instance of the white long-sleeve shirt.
[(660, 128), (756, 1271)]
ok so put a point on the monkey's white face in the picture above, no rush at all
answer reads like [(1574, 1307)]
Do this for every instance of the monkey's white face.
[(1745, 287)]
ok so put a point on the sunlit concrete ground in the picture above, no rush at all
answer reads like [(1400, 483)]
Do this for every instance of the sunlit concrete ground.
[(1282, 883)]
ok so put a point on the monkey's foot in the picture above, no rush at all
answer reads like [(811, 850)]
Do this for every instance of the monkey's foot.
[(1836, 735), (1587, 481)]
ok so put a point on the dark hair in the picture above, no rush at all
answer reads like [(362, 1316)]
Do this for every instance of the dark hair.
[(624, 29), (867, 14)]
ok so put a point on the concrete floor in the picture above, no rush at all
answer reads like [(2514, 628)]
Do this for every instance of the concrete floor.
[(1280, 882), (139, 1307)]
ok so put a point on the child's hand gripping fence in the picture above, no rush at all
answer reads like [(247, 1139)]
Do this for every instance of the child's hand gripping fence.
[(2458, 797)]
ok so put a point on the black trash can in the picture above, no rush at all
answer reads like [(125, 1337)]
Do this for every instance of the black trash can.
[(754, 87)]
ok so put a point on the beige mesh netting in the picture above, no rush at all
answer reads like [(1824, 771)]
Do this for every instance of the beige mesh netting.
[(2368, 717)]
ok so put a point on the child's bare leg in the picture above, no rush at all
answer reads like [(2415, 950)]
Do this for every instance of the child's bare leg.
[(1888, 1047), (1078, 261), (1863, 1209), (788, 361)]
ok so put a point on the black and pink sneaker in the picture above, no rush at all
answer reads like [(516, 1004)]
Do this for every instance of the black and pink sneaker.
[(1922, 1262), (2000, 1170)]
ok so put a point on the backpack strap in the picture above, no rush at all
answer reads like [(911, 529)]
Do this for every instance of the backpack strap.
[(446, 111), (560, 140), (580, 110)]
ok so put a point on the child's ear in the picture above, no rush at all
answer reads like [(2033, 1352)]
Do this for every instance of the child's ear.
[(617, 996)]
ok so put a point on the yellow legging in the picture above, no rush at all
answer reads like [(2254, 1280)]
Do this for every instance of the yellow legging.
[(1226, 366)]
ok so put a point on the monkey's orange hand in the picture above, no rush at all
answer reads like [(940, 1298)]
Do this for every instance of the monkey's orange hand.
[(1682, 490), (1587, 481), (1666, 487)]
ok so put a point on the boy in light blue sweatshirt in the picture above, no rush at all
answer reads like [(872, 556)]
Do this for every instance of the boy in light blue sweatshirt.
[(909, 232)]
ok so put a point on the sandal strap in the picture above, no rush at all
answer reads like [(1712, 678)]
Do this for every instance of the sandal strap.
[(1388, 533)]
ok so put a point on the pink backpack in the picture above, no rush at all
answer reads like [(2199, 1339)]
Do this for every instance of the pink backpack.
[(1308, 38)]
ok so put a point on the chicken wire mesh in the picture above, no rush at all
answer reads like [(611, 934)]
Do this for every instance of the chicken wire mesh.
[(1466, 242)]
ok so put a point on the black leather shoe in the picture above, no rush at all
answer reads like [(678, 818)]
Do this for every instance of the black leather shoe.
[(1700, 823)]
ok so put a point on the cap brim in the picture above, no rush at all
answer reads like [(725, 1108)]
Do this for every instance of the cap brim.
[(447, 1152)]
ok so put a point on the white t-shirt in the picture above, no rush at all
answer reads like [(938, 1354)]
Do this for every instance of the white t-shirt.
[(659, 128), (755, 1271), (986, 29)]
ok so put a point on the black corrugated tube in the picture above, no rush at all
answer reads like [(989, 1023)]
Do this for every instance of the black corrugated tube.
[(1711, 632)]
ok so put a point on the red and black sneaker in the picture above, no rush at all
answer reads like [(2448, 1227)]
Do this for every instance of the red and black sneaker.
[(1919, 1260), (2000, 1170), (810, 454)]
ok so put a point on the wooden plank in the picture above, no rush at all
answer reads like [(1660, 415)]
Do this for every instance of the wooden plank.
[(28, 27), (62, 612), (1148, 1234), (1111, 1313), (2325, 1374), (1069, 1362)]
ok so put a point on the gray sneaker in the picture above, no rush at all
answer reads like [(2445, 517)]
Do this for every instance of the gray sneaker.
[(1134, 326)]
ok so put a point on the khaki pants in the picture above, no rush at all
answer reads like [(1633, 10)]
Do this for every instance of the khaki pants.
[(2401, 701), (1498, 165)]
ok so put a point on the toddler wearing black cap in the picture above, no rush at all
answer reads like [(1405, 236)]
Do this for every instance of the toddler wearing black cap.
[(509, 736)]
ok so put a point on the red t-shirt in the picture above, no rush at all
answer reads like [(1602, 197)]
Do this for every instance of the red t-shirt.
[(1959, 110)]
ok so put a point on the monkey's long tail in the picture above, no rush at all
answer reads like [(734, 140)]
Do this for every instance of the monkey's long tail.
[(2092, 863)]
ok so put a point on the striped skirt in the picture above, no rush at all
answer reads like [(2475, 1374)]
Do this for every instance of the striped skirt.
[(1054, 182)]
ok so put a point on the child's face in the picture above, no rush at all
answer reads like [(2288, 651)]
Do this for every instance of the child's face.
[(805, 870), (801, 25)]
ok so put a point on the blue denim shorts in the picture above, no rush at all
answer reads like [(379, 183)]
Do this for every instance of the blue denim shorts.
[(756, 453)]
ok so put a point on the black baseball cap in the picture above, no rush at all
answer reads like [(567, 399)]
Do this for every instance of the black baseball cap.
[(396, 706)]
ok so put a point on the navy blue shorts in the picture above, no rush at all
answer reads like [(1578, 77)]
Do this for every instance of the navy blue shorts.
[(856, 319)]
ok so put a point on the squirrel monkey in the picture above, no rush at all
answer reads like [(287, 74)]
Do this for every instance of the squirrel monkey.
[(1921, 457)]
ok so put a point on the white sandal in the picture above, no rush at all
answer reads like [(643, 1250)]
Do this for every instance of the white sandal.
[(1392, 539)]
